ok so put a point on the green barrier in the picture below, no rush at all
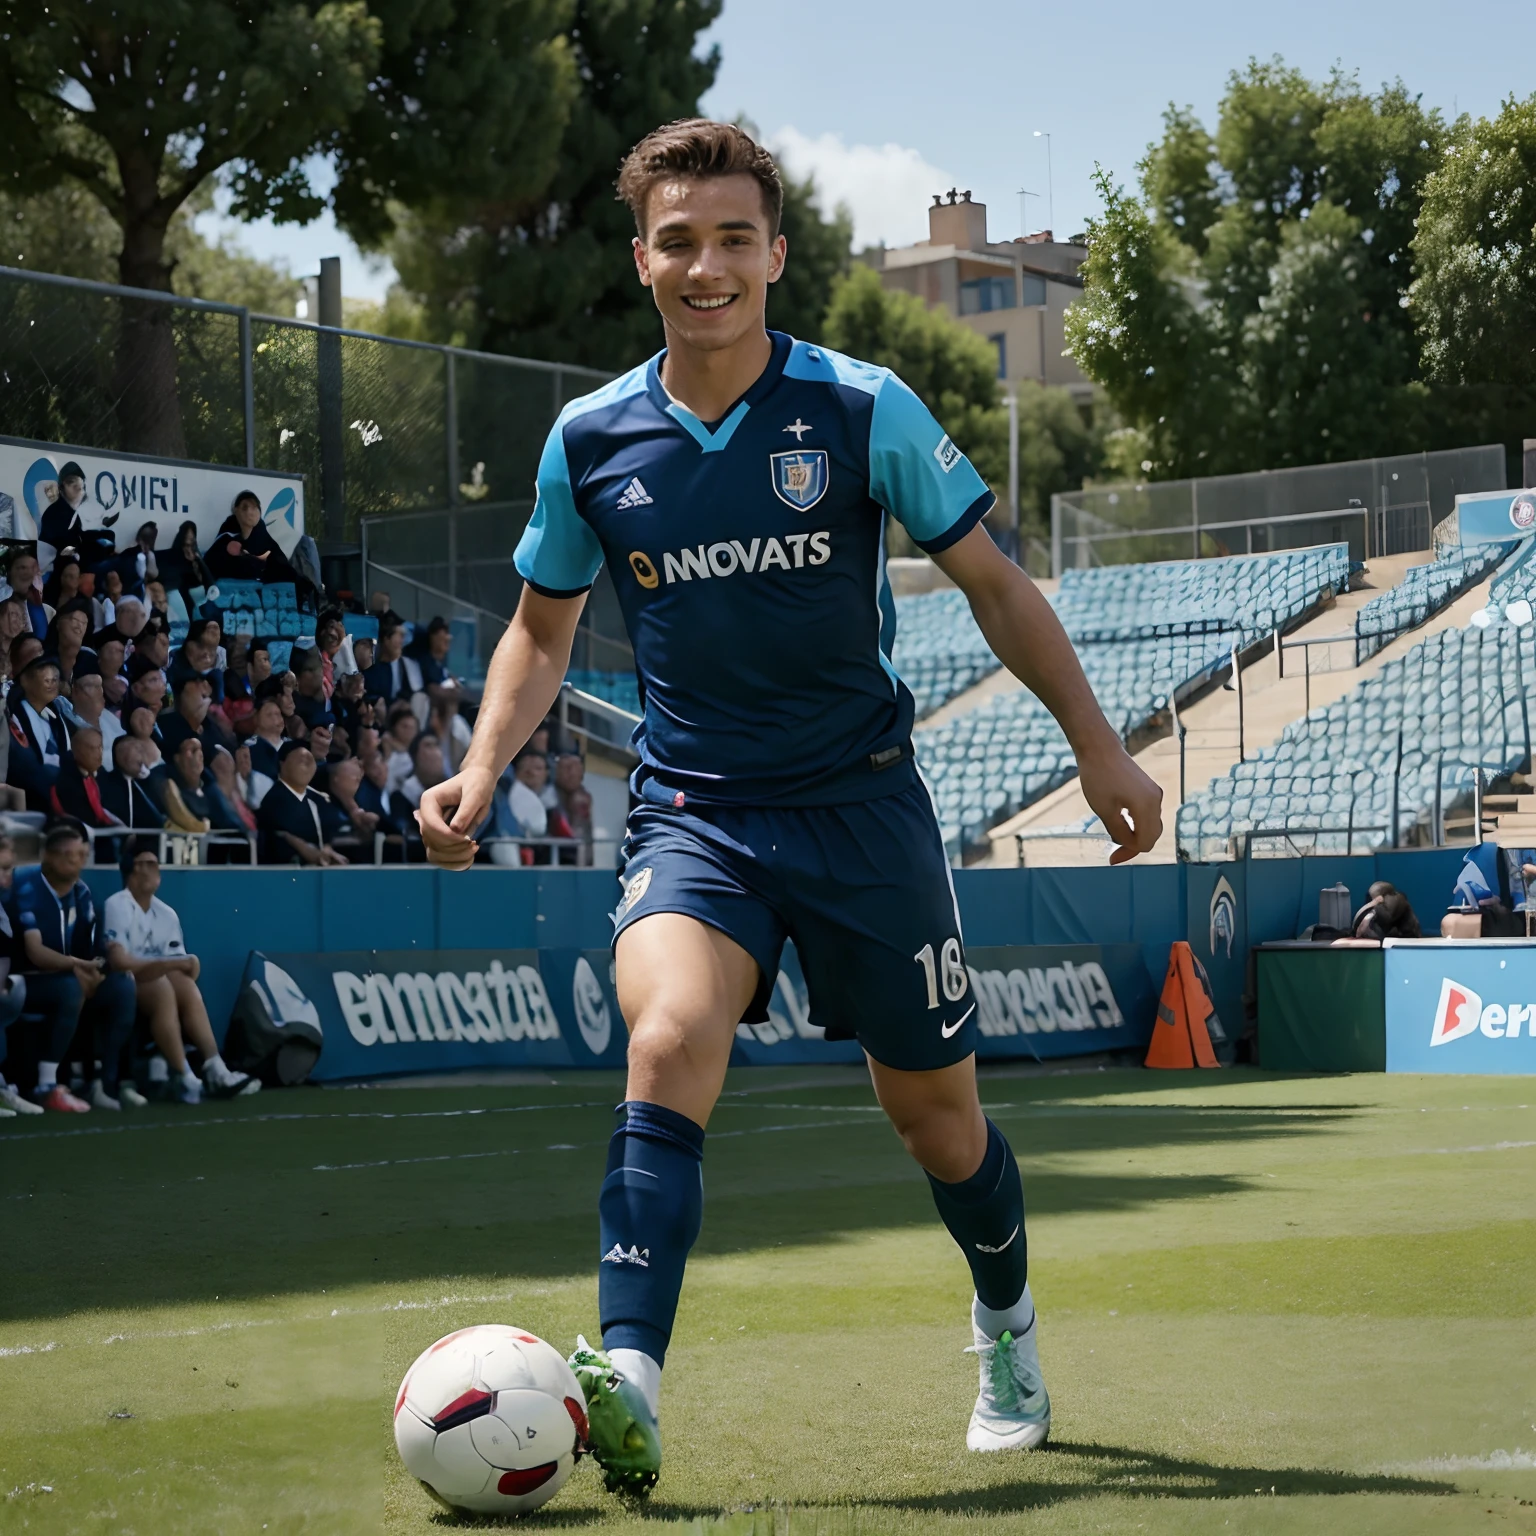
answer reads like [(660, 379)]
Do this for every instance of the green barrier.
[(1321, 1009)]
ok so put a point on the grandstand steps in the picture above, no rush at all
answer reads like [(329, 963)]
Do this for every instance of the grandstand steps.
[(1211, 724)]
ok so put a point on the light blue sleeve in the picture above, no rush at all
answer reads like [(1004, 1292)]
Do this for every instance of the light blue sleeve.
[(558, 555), (918, 475)]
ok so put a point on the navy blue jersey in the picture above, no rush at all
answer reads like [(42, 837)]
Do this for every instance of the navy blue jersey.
[(749, 561), (65, 924)]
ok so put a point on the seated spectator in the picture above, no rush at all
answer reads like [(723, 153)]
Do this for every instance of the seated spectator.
[(446, 723), (21, 581), (38, 741), (265, 744), (400, 731), (76, 792), (159, 609), (373, 795), (177, 788), (181, 567), (426, 771), (110, 662), (349, 826), (238, 703), (575, 801), (131, 617), (63, 581), (197, 656), (138, 564), (124, 791), (348, 705), (60, 523), (53, 917), (310, 701), (362, 653), (388, 678), (153, 645), (87, 704), (67, 634), (335, 653), (429, 650), (244, 550), (1386, 914), (13, 995), (291, 817), (141, 722), (109, 592), (144, 940), (235, 814), (14, 623), (190, 717), (146, 684), (525, 796)]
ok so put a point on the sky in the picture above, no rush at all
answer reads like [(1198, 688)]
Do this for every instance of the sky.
[(887, 103)]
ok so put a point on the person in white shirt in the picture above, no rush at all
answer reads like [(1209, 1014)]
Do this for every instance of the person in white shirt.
[(143, 937), (525, 798)]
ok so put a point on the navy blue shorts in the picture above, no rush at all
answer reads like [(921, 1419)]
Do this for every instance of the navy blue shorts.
[(863, 890)]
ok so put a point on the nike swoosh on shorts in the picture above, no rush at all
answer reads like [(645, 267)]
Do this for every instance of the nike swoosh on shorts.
[(948, 1029)]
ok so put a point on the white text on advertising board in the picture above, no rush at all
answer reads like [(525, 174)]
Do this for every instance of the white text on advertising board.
[(1461, 1012), (1044, 999), (496, 1004)]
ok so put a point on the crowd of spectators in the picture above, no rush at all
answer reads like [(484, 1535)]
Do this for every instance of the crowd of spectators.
[(321, 760)]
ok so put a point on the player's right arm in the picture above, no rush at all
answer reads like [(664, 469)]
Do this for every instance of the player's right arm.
[(558, 558)]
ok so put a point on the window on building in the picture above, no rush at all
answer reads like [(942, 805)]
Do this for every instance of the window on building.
[(1001, 343), (1034, 288), (981, 295)]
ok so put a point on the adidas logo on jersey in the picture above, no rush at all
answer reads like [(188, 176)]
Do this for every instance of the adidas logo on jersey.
[(634, 495), (636, 1255)]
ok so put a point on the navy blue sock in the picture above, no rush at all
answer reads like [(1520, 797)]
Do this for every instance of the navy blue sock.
[(985, 1215), (649, 1214)]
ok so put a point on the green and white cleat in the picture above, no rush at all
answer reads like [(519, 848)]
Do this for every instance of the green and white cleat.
[(622, 1432), (1013, 1409)]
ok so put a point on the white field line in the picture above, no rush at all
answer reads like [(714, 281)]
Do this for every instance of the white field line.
[(1495, 1146), (137, 1336)]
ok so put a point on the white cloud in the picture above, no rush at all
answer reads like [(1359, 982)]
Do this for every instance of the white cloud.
[(887, 187)]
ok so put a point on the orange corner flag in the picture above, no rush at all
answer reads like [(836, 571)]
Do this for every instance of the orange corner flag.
[(1180, 1037)]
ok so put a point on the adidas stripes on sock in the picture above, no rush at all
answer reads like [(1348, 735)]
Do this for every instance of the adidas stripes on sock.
[(985, 1215), (649, 1214)]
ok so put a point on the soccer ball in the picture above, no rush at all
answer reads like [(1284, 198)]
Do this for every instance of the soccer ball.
[(490, 1420)]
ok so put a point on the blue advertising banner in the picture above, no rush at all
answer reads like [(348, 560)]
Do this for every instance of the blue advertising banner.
[(1032, 1001), (387, 1013), (1461, 1007), (383, 1013)]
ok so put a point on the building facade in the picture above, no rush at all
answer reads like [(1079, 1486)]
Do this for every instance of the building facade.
[(1013, 293)]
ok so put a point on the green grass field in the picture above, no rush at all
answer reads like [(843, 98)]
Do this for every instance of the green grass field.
[(1267, 1305)]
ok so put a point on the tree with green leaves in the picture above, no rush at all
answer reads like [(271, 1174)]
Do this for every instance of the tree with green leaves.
[(144, 103), (1474, 300), (953, 371), (552, 275), (1248, 309)]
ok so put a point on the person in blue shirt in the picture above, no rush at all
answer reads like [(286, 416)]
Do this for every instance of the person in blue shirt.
[(737, 488), (60, 953)]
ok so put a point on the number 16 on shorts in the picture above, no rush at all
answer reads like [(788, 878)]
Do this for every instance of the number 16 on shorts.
[(948, 973)]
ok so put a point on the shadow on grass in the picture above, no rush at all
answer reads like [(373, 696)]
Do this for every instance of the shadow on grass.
[(1062, 1473), (407, 1187)]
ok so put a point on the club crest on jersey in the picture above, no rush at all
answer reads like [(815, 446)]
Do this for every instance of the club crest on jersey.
[(800, 478)]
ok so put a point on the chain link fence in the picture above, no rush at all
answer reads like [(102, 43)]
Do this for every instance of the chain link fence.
[(1377, 506), (377, 426)]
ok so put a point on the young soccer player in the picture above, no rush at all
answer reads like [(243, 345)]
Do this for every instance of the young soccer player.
[(737, 487)]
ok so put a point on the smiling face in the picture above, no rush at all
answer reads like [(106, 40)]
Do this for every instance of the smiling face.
[(707, 256)]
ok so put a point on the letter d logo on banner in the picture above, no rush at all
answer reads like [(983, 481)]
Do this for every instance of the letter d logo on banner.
[(1457, 1013)]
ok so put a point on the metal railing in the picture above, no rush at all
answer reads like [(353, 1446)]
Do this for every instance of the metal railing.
[(1390, 504), (376, 424)]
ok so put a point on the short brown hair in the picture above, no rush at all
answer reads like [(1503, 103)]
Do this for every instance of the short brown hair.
[(697, 146)]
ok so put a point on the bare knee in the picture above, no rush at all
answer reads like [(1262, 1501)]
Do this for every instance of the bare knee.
[(949, 1141)]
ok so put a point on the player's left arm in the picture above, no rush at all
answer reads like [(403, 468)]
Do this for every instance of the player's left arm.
[(1028, 638)]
